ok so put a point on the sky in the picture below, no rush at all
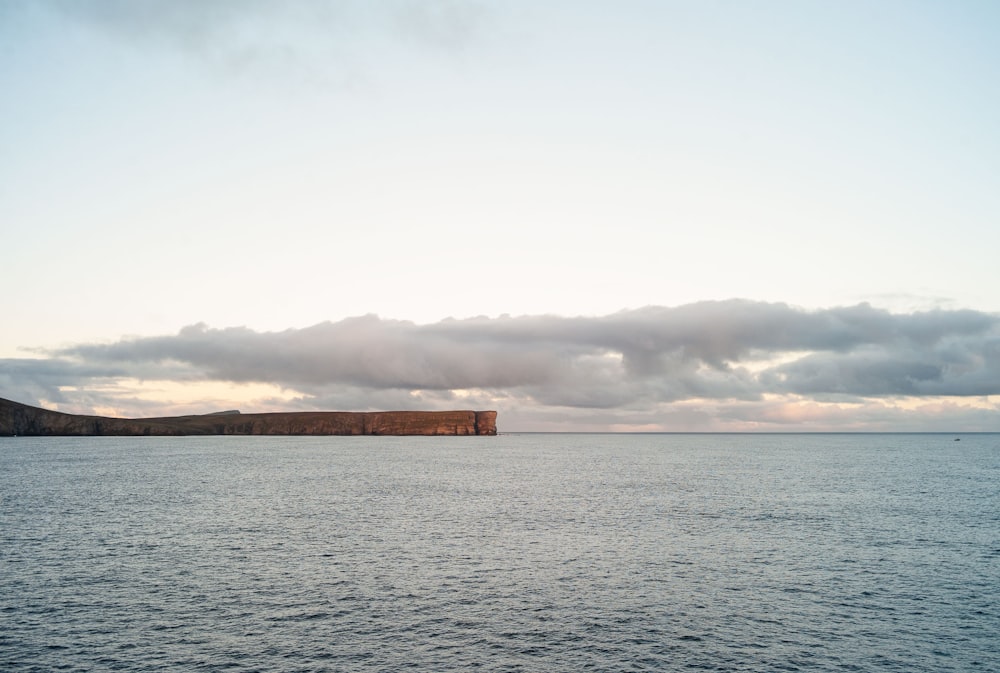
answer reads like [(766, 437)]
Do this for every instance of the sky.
[(627, 216)]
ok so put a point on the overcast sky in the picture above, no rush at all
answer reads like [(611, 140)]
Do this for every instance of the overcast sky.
[(586, 215)]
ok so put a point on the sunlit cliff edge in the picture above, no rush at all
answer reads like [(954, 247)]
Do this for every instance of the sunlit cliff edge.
[(24, 420)]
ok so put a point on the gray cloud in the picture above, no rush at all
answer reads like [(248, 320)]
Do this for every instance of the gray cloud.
[(33, 379), (954, 367), (709, 365), (715, 350)]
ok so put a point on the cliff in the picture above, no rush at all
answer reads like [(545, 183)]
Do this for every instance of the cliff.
[(24, 420)]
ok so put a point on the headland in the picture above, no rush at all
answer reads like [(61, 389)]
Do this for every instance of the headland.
[(28, 421)]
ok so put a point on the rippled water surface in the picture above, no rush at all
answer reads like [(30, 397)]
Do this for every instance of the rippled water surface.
[(510, 553)]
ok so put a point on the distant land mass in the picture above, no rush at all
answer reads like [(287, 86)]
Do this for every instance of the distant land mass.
[(18, 419)]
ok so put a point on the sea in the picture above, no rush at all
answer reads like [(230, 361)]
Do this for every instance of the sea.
[(521, 552)]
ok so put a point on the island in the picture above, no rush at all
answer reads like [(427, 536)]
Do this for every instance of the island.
[(18, 419)]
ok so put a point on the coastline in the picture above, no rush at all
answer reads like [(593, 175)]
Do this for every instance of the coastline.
[(18, 419)]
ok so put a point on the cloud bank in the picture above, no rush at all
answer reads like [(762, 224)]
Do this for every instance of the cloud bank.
[(747, 363)]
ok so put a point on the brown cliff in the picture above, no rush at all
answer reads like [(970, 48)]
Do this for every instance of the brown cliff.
[(24, 420)]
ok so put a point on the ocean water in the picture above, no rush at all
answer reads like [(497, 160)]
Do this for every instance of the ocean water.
[(526, 552)]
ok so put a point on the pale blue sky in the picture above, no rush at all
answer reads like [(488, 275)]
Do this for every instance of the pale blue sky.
[(275, 165)]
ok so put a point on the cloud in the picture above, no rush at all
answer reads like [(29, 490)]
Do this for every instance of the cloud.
[(697, 350), (183, 23), (707, 358), (34, 379), (445, 24), (301, 38)]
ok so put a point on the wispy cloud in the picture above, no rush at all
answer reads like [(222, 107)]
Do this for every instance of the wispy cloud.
[(303, 39), (636, 362)]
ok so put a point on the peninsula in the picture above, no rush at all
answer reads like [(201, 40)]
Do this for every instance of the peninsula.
[(24, 420)]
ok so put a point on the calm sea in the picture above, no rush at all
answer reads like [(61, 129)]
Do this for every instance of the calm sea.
[(510, 553)]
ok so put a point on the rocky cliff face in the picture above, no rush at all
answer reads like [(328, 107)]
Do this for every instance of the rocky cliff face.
[(24, 420), (486, 422)]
